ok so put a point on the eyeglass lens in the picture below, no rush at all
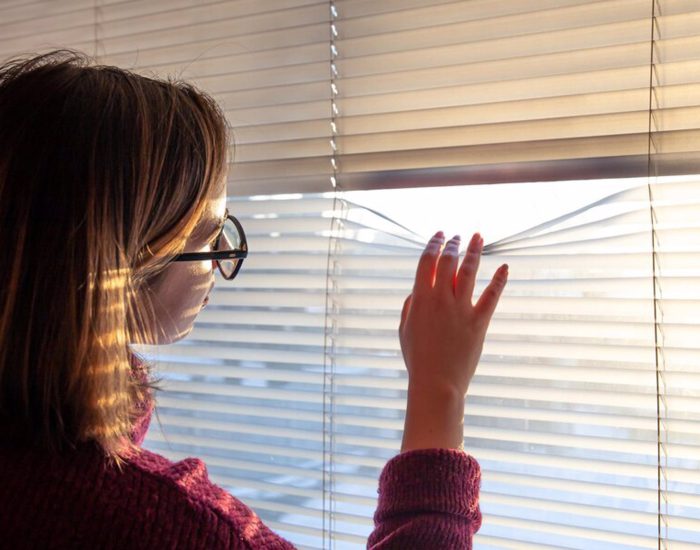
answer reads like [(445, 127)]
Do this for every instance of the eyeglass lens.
[(230, 239)]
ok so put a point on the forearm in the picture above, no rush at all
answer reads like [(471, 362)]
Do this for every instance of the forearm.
[(434, 418)]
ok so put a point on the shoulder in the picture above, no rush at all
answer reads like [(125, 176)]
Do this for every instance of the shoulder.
[(79, 499), (187, 488), (188, 478)]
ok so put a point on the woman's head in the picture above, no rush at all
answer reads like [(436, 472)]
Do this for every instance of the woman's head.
[(104, 176)]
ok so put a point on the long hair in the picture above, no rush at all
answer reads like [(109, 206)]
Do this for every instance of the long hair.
[(103, 175)]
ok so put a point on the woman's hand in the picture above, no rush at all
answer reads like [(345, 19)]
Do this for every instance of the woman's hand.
[(442, 336)]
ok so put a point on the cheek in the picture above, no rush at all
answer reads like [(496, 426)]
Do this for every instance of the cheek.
[(183, 283)]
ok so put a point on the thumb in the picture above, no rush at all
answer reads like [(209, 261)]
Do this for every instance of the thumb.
[(404, 311)]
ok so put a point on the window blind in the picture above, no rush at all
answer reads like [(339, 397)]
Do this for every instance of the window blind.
[(480, 90), (677, 294), (562, 413), (585, 411), (427, 92), (673, 134)]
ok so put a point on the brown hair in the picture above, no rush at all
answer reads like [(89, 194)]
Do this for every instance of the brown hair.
[(103, 175)]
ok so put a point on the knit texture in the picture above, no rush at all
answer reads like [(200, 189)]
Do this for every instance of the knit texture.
[(427, 499)]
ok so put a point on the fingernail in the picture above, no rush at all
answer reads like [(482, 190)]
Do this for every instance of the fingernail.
[(503, 275), (456, 238), (439, 235)]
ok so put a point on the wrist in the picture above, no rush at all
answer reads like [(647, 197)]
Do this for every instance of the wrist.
[(435, 389), (434, 417)]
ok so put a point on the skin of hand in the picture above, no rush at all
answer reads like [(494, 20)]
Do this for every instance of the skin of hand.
[(442, 335)]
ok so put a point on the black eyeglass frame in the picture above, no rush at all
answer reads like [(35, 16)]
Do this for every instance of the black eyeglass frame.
[(236, 253)]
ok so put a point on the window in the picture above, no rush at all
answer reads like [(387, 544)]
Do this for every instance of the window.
[(582, 117), (562, 413)]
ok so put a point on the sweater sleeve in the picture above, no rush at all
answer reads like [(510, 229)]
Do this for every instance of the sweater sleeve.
[(428, 498)]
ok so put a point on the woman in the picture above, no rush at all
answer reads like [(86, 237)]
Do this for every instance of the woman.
[(106, 178)]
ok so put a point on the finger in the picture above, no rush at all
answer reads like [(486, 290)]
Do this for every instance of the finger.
[(466, 276), (488, 300), (404, 311), (447, 265), (425, 274)]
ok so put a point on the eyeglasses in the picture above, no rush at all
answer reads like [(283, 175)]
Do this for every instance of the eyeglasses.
[(228, 251)]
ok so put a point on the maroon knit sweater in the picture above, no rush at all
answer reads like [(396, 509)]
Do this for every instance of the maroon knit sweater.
[(427, 499)]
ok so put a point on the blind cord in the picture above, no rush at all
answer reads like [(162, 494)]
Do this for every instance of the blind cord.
[(331, 303), (661, 521)]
